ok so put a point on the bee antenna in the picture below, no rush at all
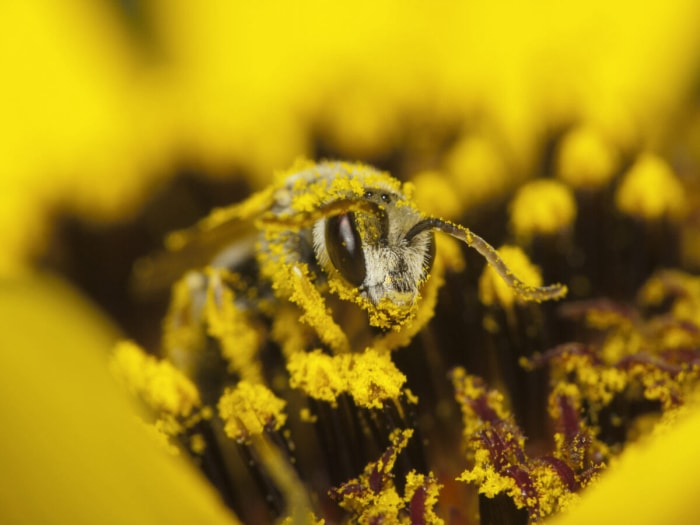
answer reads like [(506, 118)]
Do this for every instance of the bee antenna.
[(488, 252), (422, 226)]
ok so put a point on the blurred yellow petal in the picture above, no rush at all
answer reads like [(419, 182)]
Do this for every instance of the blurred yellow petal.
[(72, 450), (78, 132), (76, 128)]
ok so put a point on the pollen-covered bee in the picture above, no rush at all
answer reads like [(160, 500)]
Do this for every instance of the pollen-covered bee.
[(337, 227)]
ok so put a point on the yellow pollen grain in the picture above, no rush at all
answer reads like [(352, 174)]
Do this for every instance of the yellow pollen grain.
[(386, 315), (600, 384), (307, 416), (316, 314), (369, 503), (198, 444), (369, 377), (651, 191), (585, 160), (158, 383), (493, 290), (372, 378), (317, 374), (653, 292), (490, 482), (553, 495), (287, 332), (605, 319), (233, 329), (684, 288), (249, 409), (618, 346), (542, 207), (676, 337), (431, 488)]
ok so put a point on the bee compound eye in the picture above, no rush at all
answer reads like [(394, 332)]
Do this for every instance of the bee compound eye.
[(344, 247)]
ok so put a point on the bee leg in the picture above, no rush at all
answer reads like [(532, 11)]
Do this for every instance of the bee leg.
[(302, 292), (236, 254), (183, 330)]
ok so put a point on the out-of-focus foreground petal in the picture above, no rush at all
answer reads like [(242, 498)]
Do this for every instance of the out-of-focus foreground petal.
[(71, 449), (653, 482)]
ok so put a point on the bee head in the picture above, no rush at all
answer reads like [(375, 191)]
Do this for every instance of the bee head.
[(384, 250), (372, 251)]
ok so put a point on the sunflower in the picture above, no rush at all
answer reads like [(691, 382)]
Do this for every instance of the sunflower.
[(566, 135)]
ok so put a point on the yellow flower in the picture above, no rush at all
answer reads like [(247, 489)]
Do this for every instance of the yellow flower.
[(568, 127)]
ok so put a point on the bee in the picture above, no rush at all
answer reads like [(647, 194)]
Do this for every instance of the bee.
[(340, 227)]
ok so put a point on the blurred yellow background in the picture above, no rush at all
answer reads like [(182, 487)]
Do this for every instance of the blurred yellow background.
[(101, 100)]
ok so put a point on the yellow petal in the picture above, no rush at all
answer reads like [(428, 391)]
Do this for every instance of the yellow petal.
[(71, 449)]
